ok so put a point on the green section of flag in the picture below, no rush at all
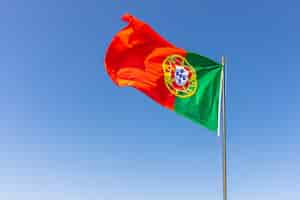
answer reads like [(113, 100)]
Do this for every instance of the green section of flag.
[(203, 106)]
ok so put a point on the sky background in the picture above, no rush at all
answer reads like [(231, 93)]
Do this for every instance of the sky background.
[(68, 133)]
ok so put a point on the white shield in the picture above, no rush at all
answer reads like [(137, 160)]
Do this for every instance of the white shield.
[(181, 75)]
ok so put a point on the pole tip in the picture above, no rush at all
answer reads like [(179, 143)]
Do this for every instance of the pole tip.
[(223, 60)]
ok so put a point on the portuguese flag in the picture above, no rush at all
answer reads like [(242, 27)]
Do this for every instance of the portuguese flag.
[(184, 82)]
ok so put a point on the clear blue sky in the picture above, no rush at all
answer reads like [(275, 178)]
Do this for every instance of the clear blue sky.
[(68, 133)]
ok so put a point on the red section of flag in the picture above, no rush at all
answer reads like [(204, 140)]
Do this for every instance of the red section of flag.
[(134, 58)]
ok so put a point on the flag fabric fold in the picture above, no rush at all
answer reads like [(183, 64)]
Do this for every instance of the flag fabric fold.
[(179, 80)]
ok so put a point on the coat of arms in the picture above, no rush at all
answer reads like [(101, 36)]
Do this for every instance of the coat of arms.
[(180, 77)]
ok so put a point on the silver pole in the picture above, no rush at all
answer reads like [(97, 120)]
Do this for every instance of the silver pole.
[(224, 148)]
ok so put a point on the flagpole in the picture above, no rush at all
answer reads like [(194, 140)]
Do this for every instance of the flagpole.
[(224, 147)]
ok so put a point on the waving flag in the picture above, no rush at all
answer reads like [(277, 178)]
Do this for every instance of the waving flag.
[(185, 82)]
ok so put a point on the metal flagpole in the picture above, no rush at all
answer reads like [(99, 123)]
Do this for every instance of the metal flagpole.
[(224, 148)]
